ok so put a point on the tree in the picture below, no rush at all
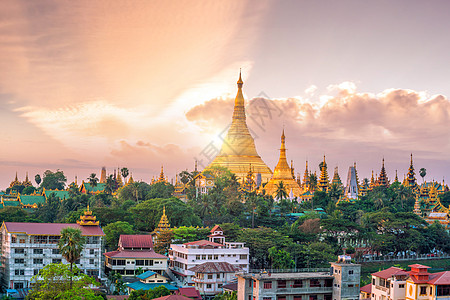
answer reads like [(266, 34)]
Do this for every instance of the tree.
[(93, 180), (157, 292), (71, 245), (281, 191), (38, 179), (110, 186), (423, 173), (54, 281), (185, 177), (280, 259), (312, 182), (113, 231), (54, 180), (125, 172), (47, 212), (28, 190)]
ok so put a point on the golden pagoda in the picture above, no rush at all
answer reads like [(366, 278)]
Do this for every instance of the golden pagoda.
[(103, 175), (238, 149), (282, 172), (88, 219), (372, 182), (336, 178), (411, 181), (306, 178), (131, 180), (249, 183), (119, 179), (27, 182), (163, 224), (323, 183), (15, 182), (382, 179), (162, 177)]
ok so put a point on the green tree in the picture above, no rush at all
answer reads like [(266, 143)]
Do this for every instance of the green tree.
[(157, 292), (47, 212), (161, 190), (55, 281), (281, 192), (423, 173), (312, 182), (317, 254), (125, 172), (113, 231), (280, 259), (92, 179), (54, 180), (28, 190), (110, 186), (163, 241), (71, 245), (38, 179)]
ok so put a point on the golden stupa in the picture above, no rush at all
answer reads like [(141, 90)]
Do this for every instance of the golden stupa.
[(283, 172), (238, 149)]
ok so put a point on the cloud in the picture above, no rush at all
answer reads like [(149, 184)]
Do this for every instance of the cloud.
[(348, 126)]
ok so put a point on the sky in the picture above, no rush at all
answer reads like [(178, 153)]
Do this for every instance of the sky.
[(140, 84)]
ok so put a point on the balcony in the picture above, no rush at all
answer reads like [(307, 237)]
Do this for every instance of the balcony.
[(382, 288), (205, 280), (304, 290)]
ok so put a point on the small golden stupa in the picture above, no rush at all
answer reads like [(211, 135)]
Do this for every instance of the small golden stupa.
[(88, 219)]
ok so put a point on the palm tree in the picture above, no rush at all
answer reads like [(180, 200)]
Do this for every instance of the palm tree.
[(312, 182), (281, 191), (125, 172), (70, 246), (38, 179), (335, 192), (136, 190), (93, 180), (423, 173), (110, 185)]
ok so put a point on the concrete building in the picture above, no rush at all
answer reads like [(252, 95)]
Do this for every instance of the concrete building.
[(28, 247), (339, 282), (389, 284), (135, 251), (210, 277), (185, 256)]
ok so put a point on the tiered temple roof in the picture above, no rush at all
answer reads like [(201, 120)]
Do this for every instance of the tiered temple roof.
[(88, 219), (323, 183), (383, 179)]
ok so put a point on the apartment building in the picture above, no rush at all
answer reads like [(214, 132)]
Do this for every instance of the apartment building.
[(28, 247), (389, 284), (135, 251), (210, 277), (183, 257)]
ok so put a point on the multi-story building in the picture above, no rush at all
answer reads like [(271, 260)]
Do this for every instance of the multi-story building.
[(211, 276), (135, 251), (339, 282), (389, 284), (28, 247), (185, 256), (417, 284)]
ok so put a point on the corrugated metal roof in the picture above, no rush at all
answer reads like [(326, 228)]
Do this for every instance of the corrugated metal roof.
[(50, 228), (136, 241), (214, 267)]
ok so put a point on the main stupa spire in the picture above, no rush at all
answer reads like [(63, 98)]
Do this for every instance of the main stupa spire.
[(238, 148)]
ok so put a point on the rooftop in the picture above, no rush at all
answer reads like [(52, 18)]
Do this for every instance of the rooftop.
[(388, 273), (134, 254), (50, 228), (136, 241), (214, 267)]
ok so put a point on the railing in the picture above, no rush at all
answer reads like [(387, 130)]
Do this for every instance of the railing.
[(300, 270), (305, 290), (384, 289), (401, 258)]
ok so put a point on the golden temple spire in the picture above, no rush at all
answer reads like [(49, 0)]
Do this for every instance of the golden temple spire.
[(323, 183), (164, 222), (16, 179), (88, 219)]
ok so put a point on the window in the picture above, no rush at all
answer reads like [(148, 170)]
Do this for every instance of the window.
[(203, 257), (210, 276), (401, 286), (297, 297), (313, 297), (19, 261), (38, 251), (350, 285), (38, 261), (91, 251), (218, 276), (243, 256), (36, 271), (13, 239), (281, 284), (22, 241), (120, 262), (314, 283), (19, 272), (208, 286), (92, 240), (91, 261), (129, 272), (423, 290), (350, 272), (443, 290), (281, 297), (56, 261), (220, 285), (55, 251), (373, 281), (250, 283), (19, 251), (39, 239), (210, 257), (18, 285), (216, 257), (53, 239), (197, 257), (297, 284), (267, 284)]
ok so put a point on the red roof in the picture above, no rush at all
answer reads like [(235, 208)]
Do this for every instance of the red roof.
[(367, 288), (216, 228), (136, 241), (173, 297), (203, 243), (50, 228), (417, 266), (231, 286), (388, 273), (190, 292), (214, 267), (133, 254), (441, 278)]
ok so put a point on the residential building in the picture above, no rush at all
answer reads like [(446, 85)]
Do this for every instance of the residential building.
[(389, 284), (185, 256), (211, 276), (341, 281), (28, 247), (135, 251), (148, 281)]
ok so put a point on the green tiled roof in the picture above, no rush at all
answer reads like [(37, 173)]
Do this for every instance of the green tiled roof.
[(10, 203), (100, 187), (31, 199), (58, 194)]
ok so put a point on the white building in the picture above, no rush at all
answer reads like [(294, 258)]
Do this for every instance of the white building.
[(389, 284), (135, 251), (185, 256), (210, 277), (28, 247)]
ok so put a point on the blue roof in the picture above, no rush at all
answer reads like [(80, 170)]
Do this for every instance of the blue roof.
[(138, 285), (146, 275)]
